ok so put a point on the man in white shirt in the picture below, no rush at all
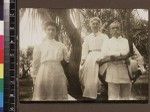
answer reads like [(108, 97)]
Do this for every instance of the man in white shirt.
[(117, 75)]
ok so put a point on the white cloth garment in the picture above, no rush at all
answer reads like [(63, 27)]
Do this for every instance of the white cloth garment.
[(119, 83), (50, 80), (116, 46), (117, 71), (91, 51)]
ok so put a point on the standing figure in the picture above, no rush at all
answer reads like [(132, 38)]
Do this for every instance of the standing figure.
[(118, 73), (91, 52), (50, 82)]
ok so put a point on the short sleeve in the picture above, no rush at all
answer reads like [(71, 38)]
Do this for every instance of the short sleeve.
[(36, 61), (85, 49)]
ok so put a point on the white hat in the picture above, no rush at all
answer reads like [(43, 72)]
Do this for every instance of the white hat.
[(95, 19)]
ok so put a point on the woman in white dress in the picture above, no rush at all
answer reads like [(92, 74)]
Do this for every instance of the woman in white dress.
[(91, 53), (50, 82)]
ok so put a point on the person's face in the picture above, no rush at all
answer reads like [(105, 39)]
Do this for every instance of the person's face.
[(94, 26), (51, 32), (115, 29)]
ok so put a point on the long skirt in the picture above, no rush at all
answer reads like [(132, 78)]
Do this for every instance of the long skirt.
[(50, 82), (88, 75)]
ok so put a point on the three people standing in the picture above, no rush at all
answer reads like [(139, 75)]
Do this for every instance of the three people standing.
[(50, 82)]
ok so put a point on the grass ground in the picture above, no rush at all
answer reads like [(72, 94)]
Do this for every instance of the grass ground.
[(139, 89)]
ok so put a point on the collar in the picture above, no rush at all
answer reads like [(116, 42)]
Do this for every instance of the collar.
[(96, 34), (49, 40)]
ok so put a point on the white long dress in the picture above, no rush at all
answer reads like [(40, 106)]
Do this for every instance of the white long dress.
[(50, 80), (91, 51)]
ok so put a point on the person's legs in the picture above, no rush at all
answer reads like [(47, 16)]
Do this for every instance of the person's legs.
[(125, 91), (102, 94), (113, 91)]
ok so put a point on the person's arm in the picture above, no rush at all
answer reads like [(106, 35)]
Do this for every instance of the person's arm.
[(113, 58), (85, 51), (121, 57), (36, 62)]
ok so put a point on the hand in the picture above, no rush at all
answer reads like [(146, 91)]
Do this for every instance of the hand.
[(67, 59), (127, 61), (113, 57), (98, 60), (82, 62), (134, 57), (136, 74)]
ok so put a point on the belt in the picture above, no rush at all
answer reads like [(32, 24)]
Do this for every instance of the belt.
[(118, 62), (94, 50)]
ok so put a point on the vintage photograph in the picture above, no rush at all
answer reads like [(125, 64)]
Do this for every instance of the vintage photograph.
[(83, 54)]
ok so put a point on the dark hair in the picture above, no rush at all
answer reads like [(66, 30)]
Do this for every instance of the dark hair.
[(50, 23)]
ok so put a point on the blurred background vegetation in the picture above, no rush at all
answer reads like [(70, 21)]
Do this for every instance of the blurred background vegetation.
[(74, 27)]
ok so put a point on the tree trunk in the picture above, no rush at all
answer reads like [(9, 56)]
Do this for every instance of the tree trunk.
[(72, 69)]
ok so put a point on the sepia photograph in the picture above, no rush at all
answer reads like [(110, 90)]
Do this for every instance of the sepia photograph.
[(83, 55)]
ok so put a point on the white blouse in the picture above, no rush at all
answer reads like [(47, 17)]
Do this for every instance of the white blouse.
[(115, 46), (48, 50), (93, 42)]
